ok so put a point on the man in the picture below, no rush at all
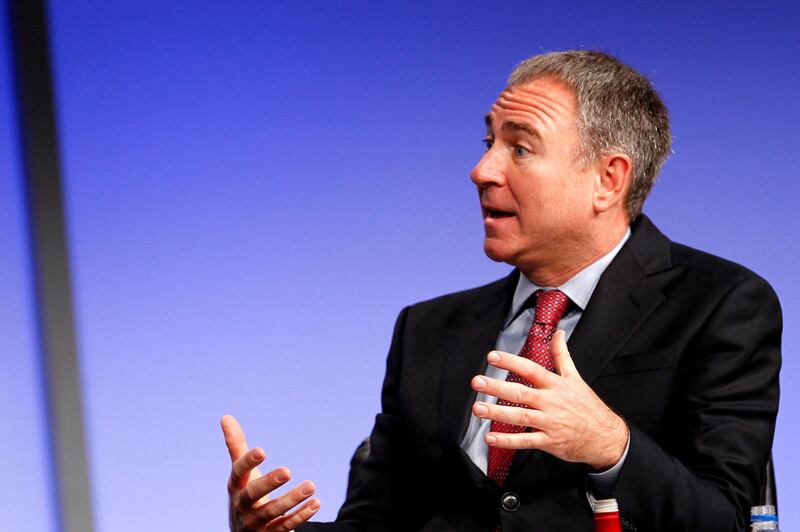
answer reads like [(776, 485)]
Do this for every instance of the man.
[(665, 395)]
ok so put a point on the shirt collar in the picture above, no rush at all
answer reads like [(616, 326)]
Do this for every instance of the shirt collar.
[(578, 288)]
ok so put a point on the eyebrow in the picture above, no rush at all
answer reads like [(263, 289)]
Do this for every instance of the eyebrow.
[(511, 125)]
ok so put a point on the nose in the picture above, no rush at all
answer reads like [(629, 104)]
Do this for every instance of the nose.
[(489, 170)]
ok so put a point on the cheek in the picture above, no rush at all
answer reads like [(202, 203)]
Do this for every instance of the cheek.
[(578, 195), (589, 190)]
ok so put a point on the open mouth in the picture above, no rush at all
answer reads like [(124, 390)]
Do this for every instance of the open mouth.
[(494, 213)]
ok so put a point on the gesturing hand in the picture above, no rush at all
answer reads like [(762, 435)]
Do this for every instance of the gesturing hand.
[(251, 509), (571, 422)]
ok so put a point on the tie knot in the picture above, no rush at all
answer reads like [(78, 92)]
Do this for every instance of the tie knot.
[(550, 306)]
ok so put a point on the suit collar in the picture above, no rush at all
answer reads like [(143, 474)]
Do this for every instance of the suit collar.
[(650, 248), (497, 296)]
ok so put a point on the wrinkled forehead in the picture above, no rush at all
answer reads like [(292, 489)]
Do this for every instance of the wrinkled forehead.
[(544, 103)]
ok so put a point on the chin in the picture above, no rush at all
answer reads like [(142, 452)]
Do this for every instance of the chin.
[(498, 253)]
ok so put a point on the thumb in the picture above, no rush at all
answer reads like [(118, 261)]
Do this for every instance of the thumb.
[(234, 437), (561, 357)]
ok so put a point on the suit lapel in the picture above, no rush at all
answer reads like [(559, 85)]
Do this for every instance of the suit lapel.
[(469, 338), (623, 299)]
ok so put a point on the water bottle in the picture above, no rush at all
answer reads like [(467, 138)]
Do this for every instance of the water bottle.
[(764, 518), (606, 516)]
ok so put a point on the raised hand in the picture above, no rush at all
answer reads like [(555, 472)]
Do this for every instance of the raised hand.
[(571, 422), (251, 509)]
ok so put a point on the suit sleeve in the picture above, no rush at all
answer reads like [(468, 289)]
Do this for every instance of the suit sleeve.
[(375, 486), (706, 475)]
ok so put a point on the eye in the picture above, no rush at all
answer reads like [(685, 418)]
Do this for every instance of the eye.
[(489, 143), (521, 151)]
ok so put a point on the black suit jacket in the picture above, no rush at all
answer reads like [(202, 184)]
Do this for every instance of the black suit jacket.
[(685, 346)]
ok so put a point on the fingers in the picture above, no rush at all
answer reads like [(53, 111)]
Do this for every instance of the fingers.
[(293, 520), (273, 515), (521, 440), (529, 370), (513, 415), (241, 469), (245, 493), (561, 357), (280, 505), (234, 437), (512, 392), (263, 485)]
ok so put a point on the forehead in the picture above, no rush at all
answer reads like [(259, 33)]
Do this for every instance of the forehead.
[(543, 103)]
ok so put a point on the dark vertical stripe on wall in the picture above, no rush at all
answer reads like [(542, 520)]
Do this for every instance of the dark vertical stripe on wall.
[(38, 134)]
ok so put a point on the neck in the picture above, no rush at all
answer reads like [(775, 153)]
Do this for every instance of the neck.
[(573, 258)]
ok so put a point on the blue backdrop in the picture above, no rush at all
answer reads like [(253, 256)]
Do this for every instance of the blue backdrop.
[(254, 190)]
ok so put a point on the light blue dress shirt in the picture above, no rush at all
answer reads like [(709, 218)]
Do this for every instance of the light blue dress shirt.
[(579, 289)]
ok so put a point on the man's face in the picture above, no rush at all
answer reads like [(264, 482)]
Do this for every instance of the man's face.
[(535, 197)]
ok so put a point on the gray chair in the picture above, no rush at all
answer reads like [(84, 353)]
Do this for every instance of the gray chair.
[(769, 491)]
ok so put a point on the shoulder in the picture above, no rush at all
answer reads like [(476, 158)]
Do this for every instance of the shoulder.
[(711, 269), (726, 287), (691, 268), (465, 304), (468, 296)]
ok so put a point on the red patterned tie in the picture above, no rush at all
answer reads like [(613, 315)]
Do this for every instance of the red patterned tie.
[(550, 306)]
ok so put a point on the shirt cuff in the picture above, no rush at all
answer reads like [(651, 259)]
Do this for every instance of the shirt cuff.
[(602, 484)]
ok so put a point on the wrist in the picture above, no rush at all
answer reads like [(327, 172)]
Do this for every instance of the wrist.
[(612, 447)]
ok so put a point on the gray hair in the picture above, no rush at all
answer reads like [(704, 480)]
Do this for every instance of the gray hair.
[(618, 111)]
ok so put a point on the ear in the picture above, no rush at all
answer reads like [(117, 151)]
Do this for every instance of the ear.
[(612, 182)]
